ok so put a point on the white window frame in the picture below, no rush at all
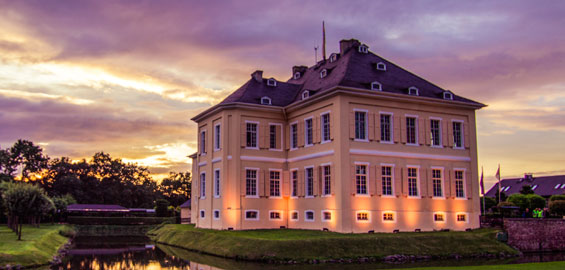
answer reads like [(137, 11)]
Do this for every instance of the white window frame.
[(363, 48), (367, 179), (251, 210), (281, 137), (268, 99), (297, 215), (462, 213), (323, 179), (418, 177), (292, 185), (306, 181), (305, 94), (392, 180), (257, 136), (376, 86), (439, 213), (391, 127), (333, 57), (293, 127), (256, 182), (381, 66), (271, 82), (323, 73), (442, 169), (280, 183), (217, 137), (306, 215), (322, 133), (217, 183), (202, 187), (306, 144), (462, 134), (366, 124), (416, 126), (203, 142), (297, 75), (447, 95), (464, 170), (214, 214), (440, 145), (394, 217), (369, 218), (276, 211), (413, 88), (323, 217)]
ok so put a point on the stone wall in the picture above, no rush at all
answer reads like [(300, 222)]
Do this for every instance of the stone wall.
[(532, 234)]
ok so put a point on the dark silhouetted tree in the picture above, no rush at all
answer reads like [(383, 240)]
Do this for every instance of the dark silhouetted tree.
[(526, 189)]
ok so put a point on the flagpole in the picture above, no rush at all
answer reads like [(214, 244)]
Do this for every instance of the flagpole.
[(498, 176), (483, 191)]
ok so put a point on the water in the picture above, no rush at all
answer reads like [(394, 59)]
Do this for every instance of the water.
[(133, 253)]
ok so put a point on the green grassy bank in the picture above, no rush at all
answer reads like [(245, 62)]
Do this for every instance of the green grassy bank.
[(524, 266), (37, 247), (306, 245)]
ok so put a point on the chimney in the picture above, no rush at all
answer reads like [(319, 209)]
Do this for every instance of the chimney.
[(300, 69), (528, 177), (257, 75), (346, 44)]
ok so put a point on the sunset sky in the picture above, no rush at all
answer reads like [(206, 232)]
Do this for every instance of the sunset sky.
[(125, 77)]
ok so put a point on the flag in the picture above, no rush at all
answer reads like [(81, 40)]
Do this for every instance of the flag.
[(498, 173), (482, 183)]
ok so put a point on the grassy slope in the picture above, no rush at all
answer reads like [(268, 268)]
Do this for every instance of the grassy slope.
[(38, 245), (528, 266), (303, 245)]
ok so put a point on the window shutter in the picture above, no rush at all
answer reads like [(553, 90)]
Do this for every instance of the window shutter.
[(428, 132), (300, 188), (421, 131), (397, 181), (371, 126), (301, 134), (449, 134), (396, 126), (372, 180), (352, 125), (243, 183), (261, 183), (467, 136), (316, 182), (262, 135), (332, 179), (317, 134), (444, 133), (423, 183), (243, 134), (469, 185), (278, 135), (430, 184), (405, 181), (352, 180), (403, 129), (448, 178), (285, 183), (379, 180), (287, 137), (377, 127)]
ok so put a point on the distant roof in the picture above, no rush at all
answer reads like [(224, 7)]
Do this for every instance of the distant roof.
[(543, 185), (185, 204), (97, 208)]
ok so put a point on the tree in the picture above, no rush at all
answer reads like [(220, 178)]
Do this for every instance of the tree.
[(489, 203), (161, 208), (557, 208), (526, 189), (519, 200), (61, 203), (176, 187), (28, 157), (503, 197)]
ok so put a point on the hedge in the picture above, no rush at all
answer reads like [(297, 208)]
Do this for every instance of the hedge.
[(120, 220)]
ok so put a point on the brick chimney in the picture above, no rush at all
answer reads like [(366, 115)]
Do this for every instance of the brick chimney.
[(257, 75), (346, 44)]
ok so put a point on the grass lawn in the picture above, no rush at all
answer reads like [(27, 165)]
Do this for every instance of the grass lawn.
[(304, 245), (528, 266), (38, 245)]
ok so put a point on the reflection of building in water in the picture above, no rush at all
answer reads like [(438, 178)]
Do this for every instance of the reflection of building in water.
[(352, 144), (198, 266)]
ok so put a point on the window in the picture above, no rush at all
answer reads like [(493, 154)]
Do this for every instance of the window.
[(363, 49), (411, 130), (386, 128), (217, 183), (507, 188), (326, 174), (323, 73), (297, 75), (203, 185), (439, 217), (271, 82), (436, 182), (447, 95), (326, 215), (294, 215), (294, 175), (252, 215), (273, 137), (387, 180), (202, 213), (557, 186), (361, 179), (360, 125), (309, 182), (251, 135), (388, 216), (457, 135), (362, 216), (435, 132), (309, 134), (562, 186), (275, 215), (326, 127), (216, 214), (413, 91), (376, 86), (266, 101), (333, 57), (459, 191), (250, 182), (217, 137), (203, 142), (294, 136), (275, 181), (305, 94), (461, 218), (381, 66), (309, 215), (413, 182)]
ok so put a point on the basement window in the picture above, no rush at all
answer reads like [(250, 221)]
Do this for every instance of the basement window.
[(326, 216), (297, 75), (271, 82), (376, 86), (251, 215), (266, 101), (309, 215), (323, 73), (447, 95), (388, 217), (275, 215), (439, 217), (305, 94), (381, 66), (294, 215), (461, 218), (363, 49), (413, 91), (362, 216)]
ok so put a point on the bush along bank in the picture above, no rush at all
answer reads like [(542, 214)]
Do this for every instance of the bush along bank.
[(306, 246)]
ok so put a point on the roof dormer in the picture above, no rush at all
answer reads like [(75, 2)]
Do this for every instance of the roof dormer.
[(381, 66), (266, 101), (297, 75), (447, 95), (413, 91), (323, 73), (376, 86), (305, 94), (333, 57), (272, 82), (363, 48)]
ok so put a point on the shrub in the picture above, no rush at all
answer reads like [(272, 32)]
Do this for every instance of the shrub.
[(535, 201), (118, 220), (489, 203), (557, 207), (519, 200), (557, 198)]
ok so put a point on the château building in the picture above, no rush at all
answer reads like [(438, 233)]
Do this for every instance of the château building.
[(354, 143)]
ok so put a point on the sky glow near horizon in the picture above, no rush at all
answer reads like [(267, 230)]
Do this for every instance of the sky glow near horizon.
[(125, 77)]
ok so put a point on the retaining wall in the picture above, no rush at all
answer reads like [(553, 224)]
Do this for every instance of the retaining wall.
[(532, 234)]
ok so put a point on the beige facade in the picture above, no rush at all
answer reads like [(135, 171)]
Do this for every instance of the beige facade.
[(378, 168)]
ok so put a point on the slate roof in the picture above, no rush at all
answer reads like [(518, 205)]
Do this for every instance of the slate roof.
[(351, 69), (97, 207), (185, 204), (544, 185)]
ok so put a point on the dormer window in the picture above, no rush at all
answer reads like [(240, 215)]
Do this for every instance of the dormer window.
[(413, 91), (447, 95), (266, 101), (271, 82), (333, 57), (381, 66), (323, 73), (376, 86), (305, 94), (297, 75), (363, 49)]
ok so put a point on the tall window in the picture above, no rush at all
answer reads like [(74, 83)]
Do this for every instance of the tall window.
[(217, 183), (387, 180), (386, 128), (251, 182), (294, 183), (251, 135), (361, 125), (293, 135), (275, 179), (457, 135), (309, 132), (412, 182), (202, 142), (309, 181), (435, 132), (203, 185), (436, 181), (411, 130), (327, 180), (217, 136), (361, 179), (272, 136), (326, 127), (459, 191)]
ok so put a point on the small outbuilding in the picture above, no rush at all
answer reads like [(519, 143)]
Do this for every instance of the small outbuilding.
[(185, 212)]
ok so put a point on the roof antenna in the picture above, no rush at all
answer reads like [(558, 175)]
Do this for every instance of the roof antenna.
[(316, 54), (324, 40)]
